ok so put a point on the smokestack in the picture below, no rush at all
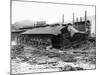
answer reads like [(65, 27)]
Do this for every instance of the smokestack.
[(63, 18), (73, 18), (85, 16), (85, 19), (80, 19), (76, 19)]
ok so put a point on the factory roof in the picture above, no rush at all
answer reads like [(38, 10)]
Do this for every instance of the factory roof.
[(45, 30)]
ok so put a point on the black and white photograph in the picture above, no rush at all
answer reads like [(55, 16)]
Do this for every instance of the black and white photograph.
[(52, 37)]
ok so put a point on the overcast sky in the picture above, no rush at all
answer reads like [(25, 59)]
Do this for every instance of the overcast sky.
[(47, 12)]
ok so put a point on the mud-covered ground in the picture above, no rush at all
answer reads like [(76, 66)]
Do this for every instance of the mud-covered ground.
[(33, 60)]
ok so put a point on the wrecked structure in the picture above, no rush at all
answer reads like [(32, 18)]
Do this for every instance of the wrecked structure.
[(56, 35)]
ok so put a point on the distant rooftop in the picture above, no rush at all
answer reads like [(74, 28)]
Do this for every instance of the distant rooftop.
[(17, 31)]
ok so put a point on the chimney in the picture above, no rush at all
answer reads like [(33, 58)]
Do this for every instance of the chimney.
[(76, 19), (85, 16), (85, 19), (62, 18), (73, 19), (80, 19)]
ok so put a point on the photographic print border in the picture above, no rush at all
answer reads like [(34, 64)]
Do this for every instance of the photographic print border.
[(46, 3)]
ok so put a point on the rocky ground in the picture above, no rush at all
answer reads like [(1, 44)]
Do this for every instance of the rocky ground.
[(33, 60)]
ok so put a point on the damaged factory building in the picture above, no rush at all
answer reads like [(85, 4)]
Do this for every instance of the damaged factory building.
[(54, 35)]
